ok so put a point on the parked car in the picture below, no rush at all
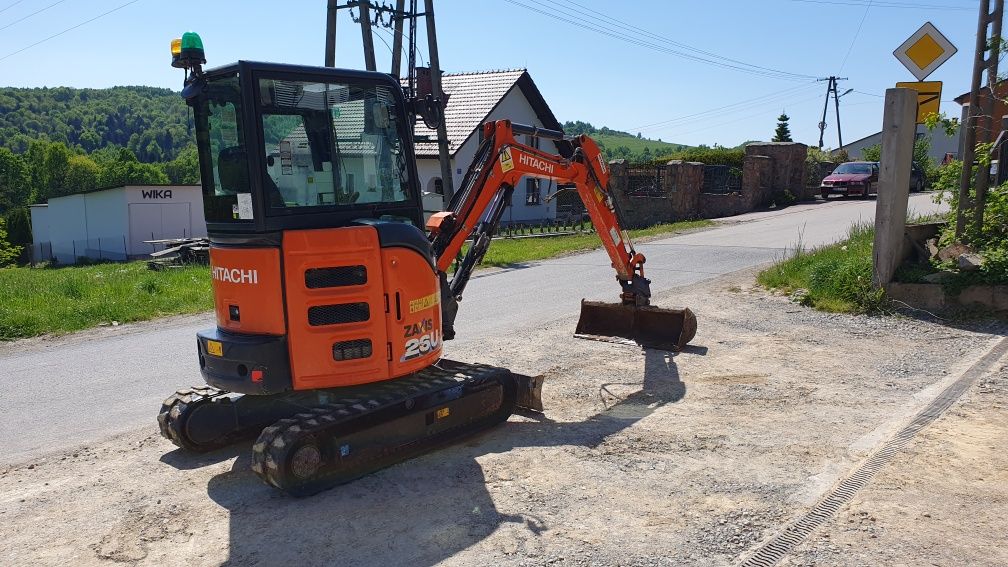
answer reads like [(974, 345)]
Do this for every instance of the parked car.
[(851, 178)]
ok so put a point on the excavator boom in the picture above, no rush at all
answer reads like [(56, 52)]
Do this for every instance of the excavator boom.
[(475, 211)]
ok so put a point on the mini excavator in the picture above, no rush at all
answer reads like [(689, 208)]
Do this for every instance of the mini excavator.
[(332, 304)]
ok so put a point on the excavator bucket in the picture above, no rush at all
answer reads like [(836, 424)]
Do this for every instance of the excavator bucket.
[(645, 325)]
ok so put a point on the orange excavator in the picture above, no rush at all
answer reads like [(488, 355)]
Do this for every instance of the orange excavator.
[(332, 304)]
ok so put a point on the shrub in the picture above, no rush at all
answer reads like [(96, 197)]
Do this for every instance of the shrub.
[(712, 156)]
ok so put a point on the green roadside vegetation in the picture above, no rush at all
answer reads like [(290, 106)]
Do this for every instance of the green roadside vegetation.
[(835, 278), (59, 300), (511, 251), (39, 301)]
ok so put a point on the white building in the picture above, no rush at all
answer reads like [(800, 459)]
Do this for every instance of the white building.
[(941, 143), (475, 98), (112, 224)]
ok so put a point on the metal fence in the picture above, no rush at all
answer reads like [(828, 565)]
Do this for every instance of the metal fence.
[(546, 228), (645, 180), (722, 179)]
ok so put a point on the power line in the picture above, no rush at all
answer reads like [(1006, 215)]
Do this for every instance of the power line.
[(32, 14), (888, 4), (856, 34), (749, 101), (786, 100), (607, 31), (11, 6), (632, 28), (71, 28), (740, 119)]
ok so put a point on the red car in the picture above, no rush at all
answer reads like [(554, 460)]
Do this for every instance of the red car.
[(851, 178)]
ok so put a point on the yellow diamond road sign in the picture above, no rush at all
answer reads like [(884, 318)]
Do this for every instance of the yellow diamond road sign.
[(925, 51)]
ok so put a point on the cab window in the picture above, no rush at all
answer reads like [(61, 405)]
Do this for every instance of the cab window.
[(330, 145)]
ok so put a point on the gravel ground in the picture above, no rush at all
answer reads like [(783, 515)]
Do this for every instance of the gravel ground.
[(942, 501), (642, 458)]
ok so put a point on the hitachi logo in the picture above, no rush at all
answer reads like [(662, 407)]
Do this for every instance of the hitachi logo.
[(535, 163), (156, 193), (235, 275)]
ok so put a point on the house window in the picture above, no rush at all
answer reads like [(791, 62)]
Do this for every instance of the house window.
[(533, 195), (438, 186)]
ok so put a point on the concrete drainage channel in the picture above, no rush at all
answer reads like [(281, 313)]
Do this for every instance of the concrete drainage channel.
[(777, 547)]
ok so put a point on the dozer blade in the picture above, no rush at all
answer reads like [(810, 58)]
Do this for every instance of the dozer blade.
[(646, 325)]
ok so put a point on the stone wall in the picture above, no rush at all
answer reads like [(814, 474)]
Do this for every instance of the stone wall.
[(788, 166), (768, 169), (756, 176)]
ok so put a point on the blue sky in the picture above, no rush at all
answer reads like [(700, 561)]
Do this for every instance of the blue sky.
[(612, 75)]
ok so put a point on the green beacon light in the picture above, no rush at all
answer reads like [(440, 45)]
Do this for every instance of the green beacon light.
[(187, 52)]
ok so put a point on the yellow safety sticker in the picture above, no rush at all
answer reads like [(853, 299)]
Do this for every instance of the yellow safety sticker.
[(215, 348), (507, 164), (425, 302), (443, 413)]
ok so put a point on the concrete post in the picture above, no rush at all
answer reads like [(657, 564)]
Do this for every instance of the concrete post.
[(899, 125)]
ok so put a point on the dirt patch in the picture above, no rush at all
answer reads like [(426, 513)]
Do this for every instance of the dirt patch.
[(940, 502), (642, 457)]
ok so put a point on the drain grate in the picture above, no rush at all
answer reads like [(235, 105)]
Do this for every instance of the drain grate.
[(774, 549)]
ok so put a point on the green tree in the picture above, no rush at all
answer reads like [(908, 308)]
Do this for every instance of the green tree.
[(15, 184), (783, 132), (184, 169), (82, 174), (19, 226), (9, 253), (872, 153)]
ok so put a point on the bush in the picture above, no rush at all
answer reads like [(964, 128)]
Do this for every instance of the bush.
[(9, 253), (836, 277), (712, 156)]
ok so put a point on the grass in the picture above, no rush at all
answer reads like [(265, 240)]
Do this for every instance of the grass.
[(510, 251), (835, 278), (637, 145), (38, 301)]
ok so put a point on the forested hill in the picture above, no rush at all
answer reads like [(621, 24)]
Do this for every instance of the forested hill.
[(152, 122), (616, 144)]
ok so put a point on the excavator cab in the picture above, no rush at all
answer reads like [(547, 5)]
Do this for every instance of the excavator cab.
[(314, 216)]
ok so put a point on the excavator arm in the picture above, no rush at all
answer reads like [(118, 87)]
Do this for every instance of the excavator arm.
[(476, 209)]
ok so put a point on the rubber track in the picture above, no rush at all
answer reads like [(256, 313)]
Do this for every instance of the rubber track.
[(323, 423), (174, 410)]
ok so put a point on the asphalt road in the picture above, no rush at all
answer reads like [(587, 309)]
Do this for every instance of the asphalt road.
[(65, 392)]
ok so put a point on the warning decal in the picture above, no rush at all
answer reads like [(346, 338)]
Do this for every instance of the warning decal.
[(507, 164)]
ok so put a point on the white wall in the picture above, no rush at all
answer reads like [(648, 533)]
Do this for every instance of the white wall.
[(516, 108), (40, 224), (160, 212), (100, 224), (941, 143), (67, 227)]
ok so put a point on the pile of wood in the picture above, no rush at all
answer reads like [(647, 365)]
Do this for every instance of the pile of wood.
[(179, 252)]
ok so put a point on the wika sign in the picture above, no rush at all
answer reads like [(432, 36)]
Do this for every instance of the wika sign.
[(151, 194)]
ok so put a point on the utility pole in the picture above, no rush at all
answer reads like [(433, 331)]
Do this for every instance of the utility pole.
[(330, 34), (831, 88), (986, 57), (365, 25), (987, 107), (435, 71), (397, 37)]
